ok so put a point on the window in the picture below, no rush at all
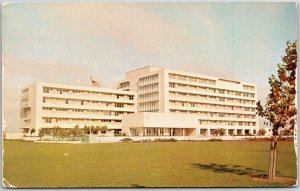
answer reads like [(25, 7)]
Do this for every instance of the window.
[(47, 120), (119, 105), (172, 85), (248, 87), (46, 90), (221, 91), (107, 113), (125, 84)]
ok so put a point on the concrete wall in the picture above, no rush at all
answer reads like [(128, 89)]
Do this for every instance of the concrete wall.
[(163, 120), (13, 136)]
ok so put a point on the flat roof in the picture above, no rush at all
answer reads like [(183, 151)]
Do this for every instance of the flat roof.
[(144, 68)]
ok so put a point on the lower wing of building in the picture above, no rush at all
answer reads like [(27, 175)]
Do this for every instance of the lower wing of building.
[(47, 105)]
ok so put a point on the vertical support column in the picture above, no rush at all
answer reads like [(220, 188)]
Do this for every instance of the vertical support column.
[(226, 132), (243, 131), (235, 131), (183, 132), (251, 131), (208, 132)]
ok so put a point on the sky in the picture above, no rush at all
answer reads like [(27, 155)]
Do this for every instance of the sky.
[(67, 43)]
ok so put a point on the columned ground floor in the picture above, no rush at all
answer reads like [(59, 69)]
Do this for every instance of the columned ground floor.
[(170, 124), (158, 131), (226, 132), (144, 131)]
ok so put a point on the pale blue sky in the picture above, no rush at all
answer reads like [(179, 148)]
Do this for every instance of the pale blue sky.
[(67, 43)]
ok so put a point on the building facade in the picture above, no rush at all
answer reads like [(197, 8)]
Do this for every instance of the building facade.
[(217, 103), (150, 101), (48, 105)]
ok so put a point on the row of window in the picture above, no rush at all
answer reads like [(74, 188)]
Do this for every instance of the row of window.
[(82, 92), (84, 111), (85, 102), (191, 79), (216, 114), (148, 97), (211, 90), (68, 120), (149, 106), (228, 123), (211, 98), (148, 88), (246, 87), (212, 106), (148, 80)]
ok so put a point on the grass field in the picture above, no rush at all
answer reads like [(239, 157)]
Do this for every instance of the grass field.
[(157, 164)]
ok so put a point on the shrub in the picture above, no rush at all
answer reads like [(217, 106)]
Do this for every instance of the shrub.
[(261, 132), (165, 140), (127, 140), (215, 140)]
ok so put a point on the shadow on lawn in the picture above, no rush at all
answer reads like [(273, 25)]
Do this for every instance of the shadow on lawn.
[(230, 168), (137, 186)]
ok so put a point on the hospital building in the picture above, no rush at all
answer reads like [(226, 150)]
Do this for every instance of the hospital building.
[(149, 101)]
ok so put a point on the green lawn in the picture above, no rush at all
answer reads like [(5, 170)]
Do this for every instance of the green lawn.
[(158, 164)]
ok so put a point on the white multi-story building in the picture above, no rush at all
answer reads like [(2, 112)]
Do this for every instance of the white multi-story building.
[(151, 101), (215, 103), (48, 105)]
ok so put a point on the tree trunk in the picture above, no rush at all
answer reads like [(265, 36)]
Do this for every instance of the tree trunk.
[(273, 156), (271, 161), (295, 141)]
